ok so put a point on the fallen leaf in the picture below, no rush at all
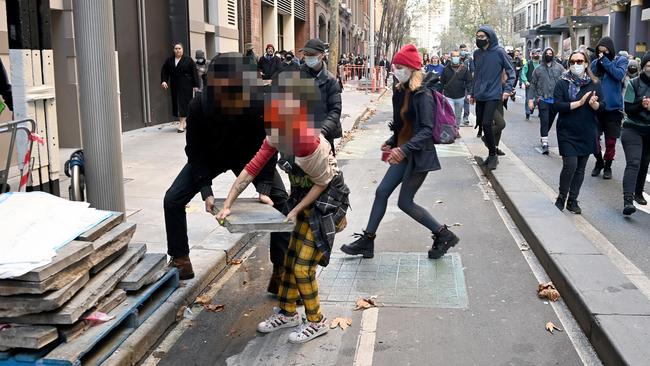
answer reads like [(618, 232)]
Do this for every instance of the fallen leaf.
[(244, 283), (439, 201), (344, 323), (203, 299), (547, 290), (550, 327), (235, 261), (214, 307), (457, 224), (366, 303)]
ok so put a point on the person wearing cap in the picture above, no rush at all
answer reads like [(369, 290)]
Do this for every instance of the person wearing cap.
[(490, 61), (526, 75), (411, 155), (330, 90), (268, 64), (635, 137), (288, 63)]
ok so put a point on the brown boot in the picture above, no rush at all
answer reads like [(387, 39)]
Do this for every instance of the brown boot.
[(276, 278), (184, 267)]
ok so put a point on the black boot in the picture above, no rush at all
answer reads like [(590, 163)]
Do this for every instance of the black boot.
[(572, 205), (628, 205), (607, 172), (600, 164), (491, 162), (560, 202), (276, 278), (640, 199), (365, 245), (442, 241)]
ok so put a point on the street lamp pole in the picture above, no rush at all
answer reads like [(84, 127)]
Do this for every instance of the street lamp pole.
[(372, 44), (98, 103)]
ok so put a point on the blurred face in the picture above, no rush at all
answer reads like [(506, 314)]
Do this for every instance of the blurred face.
[(178, 50), (602, 49), (269, 50), (235, 86), (435, 60)]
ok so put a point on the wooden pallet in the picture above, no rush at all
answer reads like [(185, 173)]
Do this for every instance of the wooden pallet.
[(98, 343)]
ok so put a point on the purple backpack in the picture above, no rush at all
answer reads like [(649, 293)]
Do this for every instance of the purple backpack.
[(444, 120)]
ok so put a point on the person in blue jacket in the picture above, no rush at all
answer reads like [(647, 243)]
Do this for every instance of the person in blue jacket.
[(611, 70), (434, 65), (489, 91)]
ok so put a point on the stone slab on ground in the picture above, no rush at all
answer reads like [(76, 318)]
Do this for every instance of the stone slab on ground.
[(102, 228), (54, 282), (31, 336), (111, 241), (69, 254), (98, 287), (143, 272), (22, 305), (107, 304), (248, 215)]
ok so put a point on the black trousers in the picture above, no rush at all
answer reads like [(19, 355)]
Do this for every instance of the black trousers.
[(485, 117), (636, 146), (547, 115), (185, 188), (572, 175)]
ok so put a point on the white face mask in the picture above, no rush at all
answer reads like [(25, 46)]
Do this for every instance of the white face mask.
[(578, 70), (311, 61), (402, 75)]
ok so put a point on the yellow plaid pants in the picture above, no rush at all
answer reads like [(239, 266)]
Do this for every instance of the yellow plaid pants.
[(300, 264)]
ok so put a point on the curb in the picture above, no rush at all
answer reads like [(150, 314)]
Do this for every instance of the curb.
[(139, 343), (612, 312)]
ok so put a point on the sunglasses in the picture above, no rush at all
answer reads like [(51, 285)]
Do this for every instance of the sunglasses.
[(576, 62)]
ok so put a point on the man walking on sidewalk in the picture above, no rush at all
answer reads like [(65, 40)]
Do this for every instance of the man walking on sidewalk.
[(542, 84), (225, 128), (611, 70), (526, 75), (468, 62), (455, 80), (490, 61)]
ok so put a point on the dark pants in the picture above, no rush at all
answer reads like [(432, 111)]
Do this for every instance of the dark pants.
[(411, 182), (547, 115), (609, 124), (485, 117), (181, 193), (499, 124), (636, 146), (572, 175)]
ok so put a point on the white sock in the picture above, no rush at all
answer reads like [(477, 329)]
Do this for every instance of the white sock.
[(545, 140)]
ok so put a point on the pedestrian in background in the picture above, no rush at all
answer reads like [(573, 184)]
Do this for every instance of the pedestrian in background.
[(636, 137), (577, 98), (288, 63), (434, 65), (411, 155), (611, 70), (201, 67), (456, 82), (518, 63), (468, 62), (542, 84), (179, 75), (268, 64), (250, 52), (488, 91), (526, 74)]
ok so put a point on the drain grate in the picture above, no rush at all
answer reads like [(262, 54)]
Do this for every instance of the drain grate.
[(398, 279)]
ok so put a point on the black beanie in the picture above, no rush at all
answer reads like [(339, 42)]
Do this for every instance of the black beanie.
[(645, 59)]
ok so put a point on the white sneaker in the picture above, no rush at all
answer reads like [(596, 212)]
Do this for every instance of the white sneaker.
[(308, 331), (278, 321)]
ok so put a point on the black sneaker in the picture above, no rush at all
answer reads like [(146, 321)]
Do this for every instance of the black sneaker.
[(491, 162), (364, 245), (628, 206), (479, 134), (560, 202), (640, 199), (598, 168), (442, 241), (500, 153), (572, 206), (545, 149), (527, 117), (607, 171)]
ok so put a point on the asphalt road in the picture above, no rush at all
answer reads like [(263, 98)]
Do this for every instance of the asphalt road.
[(477, 307), (601, 200)]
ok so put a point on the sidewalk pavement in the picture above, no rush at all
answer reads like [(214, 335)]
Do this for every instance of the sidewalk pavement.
[(613, 313), (152, 157)]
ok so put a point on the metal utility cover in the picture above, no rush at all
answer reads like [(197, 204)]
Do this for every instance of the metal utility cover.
[(249, 214)]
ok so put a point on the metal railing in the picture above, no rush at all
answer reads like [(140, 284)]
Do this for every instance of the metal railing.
[(28, 127), (361, 77)]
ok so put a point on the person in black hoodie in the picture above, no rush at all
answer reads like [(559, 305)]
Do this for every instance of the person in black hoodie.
[(268, 64), (411, 155), (456, 82), (577, 98), (225, 128), (636, 137)]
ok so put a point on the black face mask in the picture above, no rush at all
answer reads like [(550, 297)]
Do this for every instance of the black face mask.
[(548, 58), (632, 70), (480, 43)]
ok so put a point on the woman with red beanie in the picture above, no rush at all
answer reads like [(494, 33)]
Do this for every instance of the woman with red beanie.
[(411, 155)]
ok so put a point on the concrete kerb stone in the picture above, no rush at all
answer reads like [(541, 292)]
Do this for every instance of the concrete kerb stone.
[(591, 291)]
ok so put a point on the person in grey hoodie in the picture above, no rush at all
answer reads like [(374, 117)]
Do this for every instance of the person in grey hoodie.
[(488, 91), (542, 85)]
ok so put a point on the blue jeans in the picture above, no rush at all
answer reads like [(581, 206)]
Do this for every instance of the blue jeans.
[(457, 105), (528, 97), (466, 108)]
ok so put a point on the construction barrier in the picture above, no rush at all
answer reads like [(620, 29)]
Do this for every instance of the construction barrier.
[(361, 77)]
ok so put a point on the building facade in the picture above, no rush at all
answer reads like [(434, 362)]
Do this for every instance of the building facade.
[(628, 23)]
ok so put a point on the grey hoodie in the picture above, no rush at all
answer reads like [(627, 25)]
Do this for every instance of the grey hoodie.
[(545, 77)]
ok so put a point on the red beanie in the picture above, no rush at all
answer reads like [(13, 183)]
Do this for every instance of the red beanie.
[(408, 56)]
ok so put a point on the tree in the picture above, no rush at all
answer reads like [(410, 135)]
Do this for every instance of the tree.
[(467, 15), (334, 35), (569, 12)]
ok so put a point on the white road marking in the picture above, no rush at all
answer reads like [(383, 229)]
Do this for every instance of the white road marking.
[(365, 349), (645, 208), (580, 342)]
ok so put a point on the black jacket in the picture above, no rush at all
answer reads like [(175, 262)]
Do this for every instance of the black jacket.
[(455, 82), (577, 130), (217, 142), (637, 117), (330, 93), (419, 150), (182, 79), (268, 67)]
